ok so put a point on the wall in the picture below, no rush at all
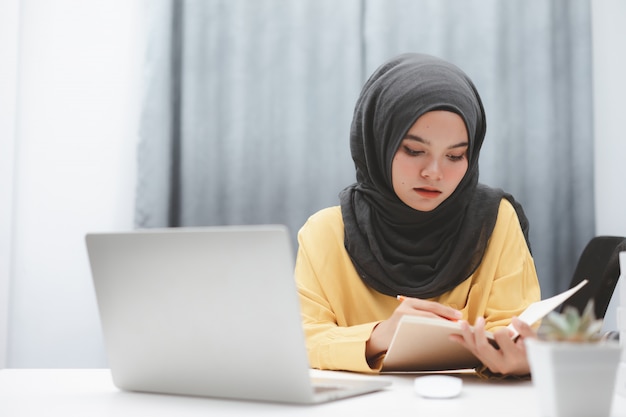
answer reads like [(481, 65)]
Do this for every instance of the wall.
[(74, 153), (8, 82), (609, 59)]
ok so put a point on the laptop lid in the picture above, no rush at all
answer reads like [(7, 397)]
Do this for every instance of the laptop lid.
[(205, 311)]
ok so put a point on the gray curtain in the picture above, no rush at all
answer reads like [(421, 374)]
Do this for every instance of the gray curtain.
[(248, 105)]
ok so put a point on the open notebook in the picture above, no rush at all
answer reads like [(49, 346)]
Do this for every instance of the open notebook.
[(423, 344), (207, 312)]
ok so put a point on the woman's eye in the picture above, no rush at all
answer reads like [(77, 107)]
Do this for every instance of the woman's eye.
[(412, 152), (455, 158)]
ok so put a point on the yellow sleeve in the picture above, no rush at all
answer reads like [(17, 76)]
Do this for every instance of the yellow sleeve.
[(505, 283), (510, 263), (332, 297)]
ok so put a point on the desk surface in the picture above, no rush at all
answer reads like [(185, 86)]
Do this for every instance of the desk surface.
[(90, 392)]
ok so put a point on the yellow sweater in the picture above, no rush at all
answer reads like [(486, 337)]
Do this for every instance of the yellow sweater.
[(339, 310)]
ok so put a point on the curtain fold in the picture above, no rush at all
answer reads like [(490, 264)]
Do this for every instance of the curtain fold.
[(264, 112), (248, 106)]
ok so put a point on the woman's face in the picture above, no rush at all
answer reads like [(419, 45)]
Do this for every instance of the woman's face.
[(431, 160)]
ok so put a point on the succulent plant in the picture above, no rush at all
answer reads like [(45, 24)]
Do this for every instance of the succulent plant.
[(571, 326)]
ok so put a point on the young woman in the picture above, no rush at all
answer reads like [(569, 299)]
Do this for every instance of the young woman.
[(418, 224)]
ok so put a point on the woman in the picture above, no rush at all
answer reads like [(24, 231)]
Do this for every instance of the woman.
[(418, 224)]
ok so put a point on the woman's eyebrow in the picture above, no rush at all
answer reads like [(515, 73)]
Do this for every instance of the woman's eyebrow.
[(427, 142)]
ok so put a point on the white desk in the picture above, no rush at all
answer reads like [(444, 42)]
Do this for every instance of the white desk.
[(81, 393)]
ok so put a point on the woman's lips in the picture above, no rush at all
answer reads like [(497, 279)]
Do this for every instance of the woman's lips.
[(427, 192)]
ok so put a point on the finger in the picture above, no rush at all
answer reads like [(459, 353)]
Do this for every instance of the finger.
[(482, 349), (503, 339), (523, 328), (512, 354), (488, 346), (466, 338), (430, 308), (480, 335)]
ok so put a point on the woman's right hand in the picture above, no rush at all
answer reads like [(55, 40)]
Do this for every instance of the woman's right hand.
[(509, 358), (382, 334)]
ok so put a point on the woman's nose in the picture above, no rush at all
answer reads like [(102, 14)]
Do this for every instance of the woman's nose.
[(432, 170)]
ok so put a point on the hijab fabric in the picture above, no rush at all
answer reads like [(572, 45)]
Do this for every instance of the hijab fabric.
[(395, 248)]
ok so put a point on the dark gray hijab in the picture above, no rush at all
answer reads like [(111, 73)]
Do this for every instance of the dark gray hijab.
[(395, 248)]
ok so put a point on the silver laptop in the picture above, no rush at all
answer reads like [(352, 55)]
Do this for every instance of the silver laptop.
[(207, 312)]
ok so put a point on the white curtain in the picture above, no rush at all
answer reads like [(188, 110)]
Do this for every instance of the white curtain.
[(248, 107)]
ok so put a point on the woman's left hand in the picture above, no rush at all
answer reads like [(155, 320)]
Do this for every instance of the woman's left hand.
[(510, 358)]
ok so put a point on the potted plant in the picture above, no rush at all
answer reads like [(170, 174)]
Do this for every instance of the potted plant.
[(573, 368)]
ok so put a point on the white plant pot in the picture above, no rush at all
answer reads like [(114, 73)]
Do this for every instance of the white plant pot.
[(573, 379)]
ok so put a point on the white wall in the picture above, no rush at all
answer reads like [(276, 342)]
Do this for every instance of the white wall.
[(74, 153), (609, 60), (610, 132)]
